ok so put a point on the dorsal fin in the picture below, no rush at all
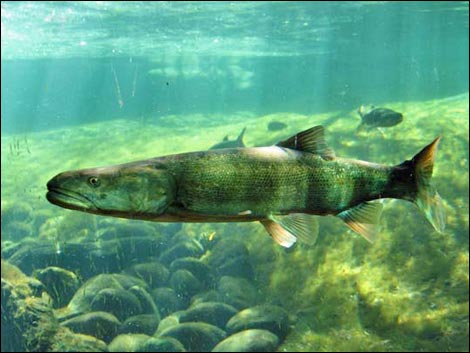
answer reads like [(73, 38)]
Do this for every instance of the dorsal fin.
[(311, 140), (240, 137)]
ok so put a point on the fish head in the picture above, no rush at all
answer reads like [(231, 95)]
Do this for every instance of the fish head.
[(123, 190)]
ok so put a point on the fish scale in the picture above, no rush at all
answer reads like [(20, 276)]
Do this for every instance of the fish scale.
[(232, 183)]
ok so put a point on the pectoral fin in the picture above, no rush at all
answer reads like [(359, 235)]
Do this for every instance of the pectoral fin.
[(364, 219), (286, 229)]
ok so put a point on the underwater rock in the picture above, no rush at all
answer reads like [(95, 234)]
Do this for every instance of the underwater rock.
[(266, 317), (164, 344), (167, 301), (128, 342), (60, 284), (28, 322), (217, 314), (146, 324), (195, 336), (76, 342), (153, 273), (75, 257), (190, 248), (17, 230), (226, 249), (207, 296), (167, 322), (40, 217), (236, 267), (185, 284), (116, 229), (87, 258), (145, 300), (237, 292), (9, 247), (198, 268), (16, 212), (141, 248), (83, 298), (118, 302), (249, 341), (99, 324), (230, 258), (115, 255)]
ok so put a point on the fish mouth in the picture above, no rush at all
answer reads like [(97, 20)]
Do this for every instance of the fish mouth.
[(69, 199)]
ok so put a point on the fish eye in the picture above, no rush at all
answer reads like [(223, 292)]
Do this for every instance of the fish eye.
[(94, 181)]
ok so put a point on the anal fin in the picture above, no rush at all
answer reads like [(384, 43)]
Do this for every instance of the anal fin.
[(280, 235), (301, 225), (364, 219), (286, 229)]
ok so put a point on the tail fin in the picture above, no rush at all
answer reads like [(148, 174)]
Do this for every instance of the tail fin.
[(427, 198)]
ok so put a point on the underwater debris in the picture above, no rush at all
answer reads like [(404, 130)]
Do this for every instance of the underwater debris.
[(18, 147), (118, 87)]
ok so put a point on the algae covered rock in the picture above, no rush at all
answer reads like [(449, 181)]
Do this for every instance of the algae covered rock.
[(249, 341), (17, 219), (153, 273), (198, 268), (17, 231), (213, 313), (60, 284), (195, 336), (145, 299), (185, 284), (190, 248), (146, 324), (128, 342), (99, 324), (76, 342), (238, 292), (167, 322), (28, 321), (116, 301), (266, 317), (164, 344), (167, 301), (230, 258), (85, 295), (207, 296)]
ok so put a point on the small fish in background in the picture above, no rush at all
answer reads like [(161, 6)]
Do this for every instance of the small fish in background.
[(377, 117), (276, 126), (226, 143)]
